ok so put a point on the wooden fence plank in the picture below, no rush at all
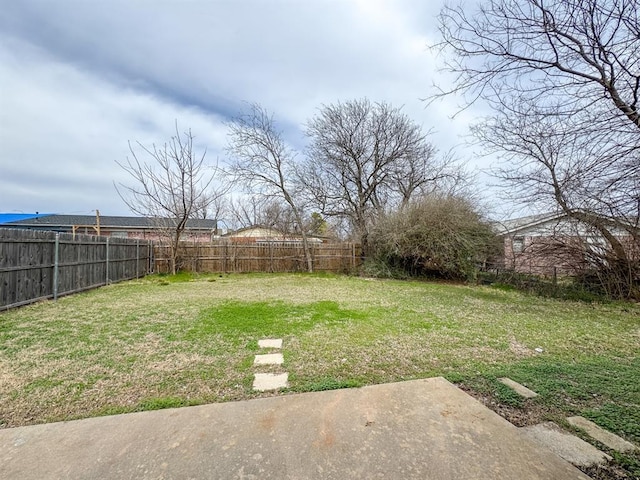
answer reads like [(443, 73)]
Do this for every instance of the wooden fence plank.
[(27, 259), (270, 257)]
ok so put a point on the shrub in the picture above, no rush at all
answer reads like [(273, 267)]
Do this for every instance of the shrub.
[(567, 288), (440, 236)]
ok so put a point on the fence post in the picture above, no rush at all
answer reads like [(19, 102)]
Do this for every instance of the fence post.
[(151, 260), (56, 261), (270, 257), (353, 256), (137, 257), (107, 262), (196, 255)]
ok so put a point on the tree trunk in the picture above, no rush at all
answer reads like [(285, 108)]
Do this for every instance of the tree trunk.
[(305, 239)]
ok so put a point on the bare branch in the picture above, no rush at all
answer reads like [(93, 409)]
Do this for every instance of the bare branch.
[(563, 81), (263, 164), (365, 158), (172, 186)]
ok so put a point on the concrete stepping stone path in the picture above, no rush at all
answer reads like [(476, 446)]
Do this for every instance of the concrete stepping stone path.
[(270, 381), (519, 389), (270, 343), (611, 440), (269, 359), (565, 445)]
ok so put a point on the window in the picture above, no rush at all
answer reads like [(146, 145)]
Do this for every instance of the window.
[(518, 244)]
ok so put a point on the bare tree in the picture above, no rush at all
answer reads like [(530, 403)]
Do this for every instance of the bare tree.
[(365, 157), (263, 163), (266, 212), (429, 174), (173, 186), (275, 213), (563, 81), (244, 212), (582, 51), (552, 165), (574, 61)]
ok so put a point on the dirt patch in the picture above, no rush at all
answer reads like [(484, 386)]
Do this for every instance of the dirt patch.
[(518, 349), (529, 414), (607, 472)]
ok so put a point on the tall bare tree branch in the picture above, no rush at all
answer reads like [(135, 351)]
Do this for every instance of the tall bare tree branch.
[(263, 163), (172, 185), (563, 80), (364, 158)]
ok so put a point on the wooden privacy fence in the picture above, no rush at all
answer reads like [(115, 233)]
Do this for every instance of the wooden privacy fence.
[(36, 265), (267, 257)]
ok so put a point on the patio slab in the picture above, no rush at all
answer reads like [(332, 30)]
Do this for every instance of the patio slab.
[(423, 429)]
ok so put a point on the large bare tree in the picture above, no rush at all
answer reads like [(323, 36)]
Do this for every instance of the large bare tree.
[(263, 163), (171, 185), (365, 157), (563, 80), (584, 52)]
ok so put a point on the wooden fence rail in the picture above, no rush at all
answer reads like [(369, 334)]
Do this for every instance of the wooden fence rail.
[(37, 265), (267, 257)]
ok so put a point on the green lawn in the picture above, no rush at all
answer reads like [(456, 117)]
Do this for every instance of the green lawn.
[(164, 341)]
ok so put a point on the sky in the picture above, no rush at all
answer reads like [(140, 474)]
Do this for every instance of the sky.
[(80, 79)]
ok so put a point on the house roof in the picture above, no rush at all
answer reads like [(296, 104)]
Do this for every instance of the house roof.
[(554, 224), (255, 230), (105, 222), (262, 232), (523, 223), (15, 217)]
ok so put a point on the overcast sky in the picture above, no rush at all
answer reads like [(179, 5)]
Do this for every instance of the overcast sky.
[(81, 78)]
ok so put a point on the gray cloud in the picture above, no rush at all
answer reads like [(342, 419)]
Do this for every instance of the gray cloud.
[(80, 79)]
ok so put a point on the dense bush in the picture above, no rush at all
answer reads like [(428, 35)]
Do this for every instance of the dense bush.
[(439, 236)]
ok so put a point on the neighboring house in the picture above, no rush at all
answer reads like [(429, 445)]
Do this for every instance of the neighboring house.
[(199, 230), (259, 234), (549, 244)]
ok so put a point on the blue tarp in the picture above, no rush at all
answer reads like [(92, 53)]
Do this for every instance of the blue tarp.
[(16, 217)]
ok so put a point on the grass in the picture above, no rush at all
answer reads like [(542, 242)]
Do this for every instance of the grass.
[(173, 341)]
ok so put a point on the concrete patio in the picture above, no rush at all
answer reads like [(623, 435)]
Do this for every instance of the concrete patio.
[(422, 429)]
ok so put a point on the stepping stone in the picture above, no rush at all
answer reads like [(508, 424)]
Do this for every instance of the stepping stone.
[(611, 440), (270, 381), (270, 343), (565, 445), (269, 359), (519, 389)]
